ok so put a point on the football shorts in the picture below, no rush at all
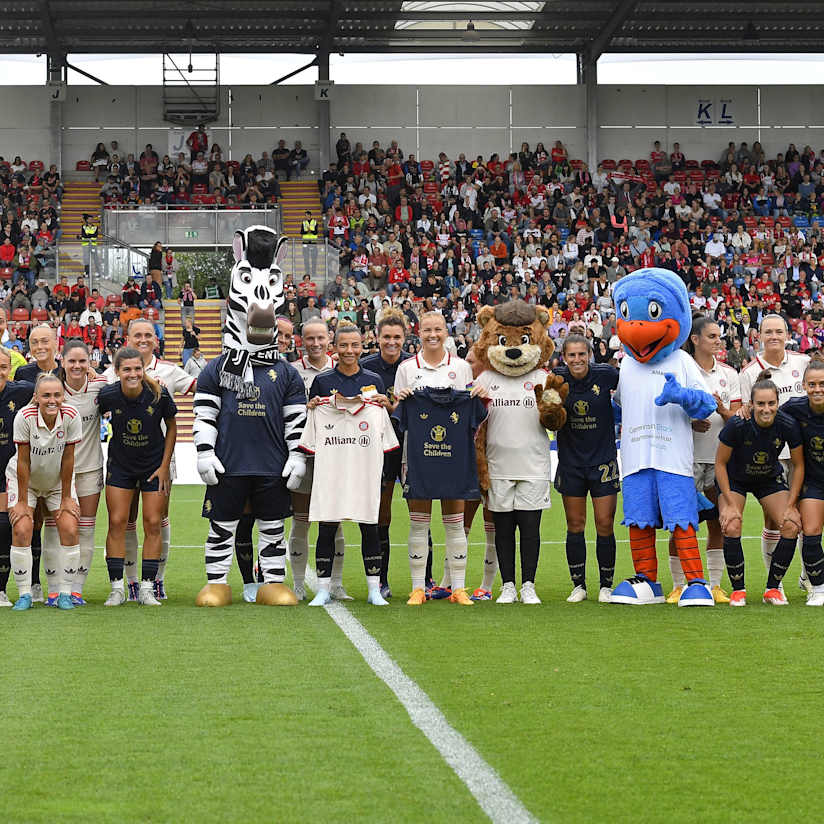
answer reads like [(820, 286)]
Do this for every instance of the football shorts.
[(810, 490), (51, 497), (769, 486), (704, 476), (506, 496), (268, 497), (392, 467), (88, 483), (597, 481), (122, 478)]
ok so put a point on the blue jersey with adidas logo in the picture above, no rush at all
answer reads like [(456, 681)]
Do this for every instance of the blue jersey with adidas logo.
[(812, 434)]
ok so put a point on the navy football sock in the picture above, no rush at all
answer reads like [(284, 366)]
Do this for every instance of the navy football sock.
[(576, 553)]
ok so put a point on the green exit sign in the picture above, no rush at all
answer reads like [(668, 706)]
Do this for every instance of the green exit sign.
[(190, 233)]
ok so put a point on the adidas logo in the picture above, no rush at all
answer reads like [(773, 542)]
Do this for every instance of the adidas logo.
[(458, 557), (494, 387), (69, 571), (373, 571), (50, 571), (329, 426), (21, 572), (413, 557)]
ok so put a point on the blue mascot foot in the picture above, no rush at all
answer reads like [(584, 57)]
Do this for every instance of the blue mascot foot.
[(64, 601), (696, 594), (250, 592), (638, 590), (23, 602), (322, 598)]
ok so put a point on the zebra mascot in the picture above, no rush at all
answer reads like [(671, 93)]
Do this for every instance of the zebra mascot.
[(250, 410)]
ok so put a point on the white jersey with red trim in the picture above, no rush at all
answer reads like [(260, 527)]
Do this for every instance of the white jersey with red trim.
[(46, 446), (353, 434), (88, 454), (308, 372), (722, 380), (416, 373), (517, 446), (788, 377)]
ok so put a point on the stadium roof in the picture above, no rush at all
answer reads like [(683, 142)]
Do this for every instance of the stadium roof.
[(305, 26)]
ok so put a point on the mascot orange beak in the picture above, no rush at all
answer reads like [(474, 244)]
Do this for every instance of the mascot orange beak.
[(646, 338)]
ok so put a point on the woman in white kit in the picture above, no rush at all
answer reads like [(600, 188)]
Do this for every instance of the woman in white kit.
[(46, 432)]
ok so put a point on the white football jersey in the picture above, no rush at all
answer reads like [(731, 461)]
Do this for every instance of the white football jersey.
[(517, 446), (308, 372), (46, 446), (88, 454), (788, 377), (722, 380), (176, 379), (351, 434), (415, 373)]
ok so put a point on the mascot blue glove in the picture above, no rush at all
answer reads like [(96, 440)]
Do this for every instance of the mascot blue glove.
[(695, 402)]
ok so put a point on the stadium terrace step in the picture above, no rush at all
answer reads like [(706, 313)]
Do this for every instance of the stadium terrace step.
[(298, 196)]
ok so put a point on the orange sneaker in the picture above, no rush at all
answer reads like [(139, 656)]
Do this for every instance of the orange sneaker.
[(738, 598), (417, 598), (775, 597), (459, 596)]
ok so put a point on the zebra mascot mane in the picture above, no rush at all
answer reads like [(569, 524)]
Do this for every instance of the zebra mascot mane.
[(250, 334)]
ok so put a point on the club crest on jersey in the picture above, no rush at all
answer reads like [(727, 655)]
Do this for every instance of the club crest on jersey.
[(760, 458), (581, 408), (452, 376), (596, 390), (150, 409), (273, 376), (529, 386), (60, 433), (817, 443), (722, 382), (208, 506), (454, 417), (438, 433), (12, 406), (795, 373), (777, 443), (134, 426), (424, 415), (363, 426)]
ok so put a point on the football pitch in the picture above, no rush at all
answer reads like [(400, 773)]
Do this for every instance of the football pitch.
[(587, 712)]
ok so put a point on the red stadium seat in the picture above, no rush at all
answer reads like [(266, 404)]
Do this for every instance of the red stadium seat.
[(20, 314), (430, 187), (36, 166), (199, 189), (786, 222), (750, 222), (642, 164), (576, 164), (427, 168), (769, 221), (709, 164), (690, 164), (6, 273), (233, 163), (680, 177), (608, 164), (114, 300), (697, 175), (625, 162), (39, 314), (83, 166)]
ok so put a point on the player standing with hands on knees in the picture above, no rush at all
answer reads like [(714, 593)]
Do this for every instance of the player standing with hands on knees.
[(747, 461), (144, 431), (45, 432)]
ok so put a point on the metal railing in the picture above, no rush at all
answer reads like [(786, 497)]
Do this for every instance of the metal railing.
[(184, 226)]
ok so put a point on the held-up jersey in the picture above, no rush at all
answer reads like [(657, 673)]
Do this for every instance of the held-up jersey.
[(517, 446), (723, 381), (348, 438), (440, 426), (308, 372), (788, 377), (252, 434), (756, 450), (88, 454), (812, 435), (350, 386), (656, 437), (587, 438), (46, 446), (15, 395), (138, 429)]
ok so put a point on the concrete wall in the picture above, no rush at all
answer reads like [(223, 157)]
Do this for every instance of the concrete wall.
[(429, 119)]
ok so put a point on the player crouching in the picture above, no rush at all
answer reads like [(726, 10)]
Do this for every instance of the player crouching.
[(45, 432)]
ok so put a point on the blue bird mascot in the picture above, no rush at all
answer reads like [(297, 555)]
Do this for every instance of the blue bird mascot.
[(660, 391)]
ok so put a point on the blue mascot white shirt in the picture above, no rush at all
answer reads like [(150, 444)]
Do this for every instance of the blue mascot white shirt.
[(655, 437)]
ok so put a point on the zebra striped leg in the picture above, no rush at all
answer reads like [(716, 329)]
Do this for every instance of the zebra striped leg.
[(220, 549), (271, 551)]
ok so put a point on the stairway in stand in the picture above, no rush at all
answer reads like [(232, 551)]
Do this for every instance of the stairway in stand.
[(298, 196), (207, 318), (79, 198)]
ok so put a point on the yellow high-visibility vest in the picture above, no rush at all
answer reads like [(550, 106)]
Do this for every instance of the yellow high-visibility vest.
[(89, 234), (309, 229)]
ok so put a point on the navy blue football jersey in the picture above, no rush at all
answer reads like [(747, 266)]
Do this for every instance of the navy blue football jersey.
[(755, 449), (347, 385), (251, 435), (812, 434), (138, 435), (588, 437), (440, 426), (30, 371), (387, 371), (15, 395)]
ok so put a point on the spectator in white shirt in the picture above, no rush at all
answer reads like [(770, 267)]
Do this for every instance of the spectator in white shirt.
[(714, 248), (91, 311), (741, 240)]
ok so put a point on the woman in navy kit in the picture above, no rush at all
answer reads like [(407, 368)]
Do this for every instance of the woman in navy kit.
[(809, 413), (747, 462), (588, 464), (139, 458), (14, 395)]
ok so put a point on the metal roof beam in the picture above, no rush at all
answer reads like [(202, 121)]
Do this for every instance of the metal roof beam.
[(614, 22)]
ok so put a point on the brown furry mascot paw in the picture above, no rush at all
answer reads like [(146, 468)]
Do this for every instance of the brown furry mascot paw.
[(550, 399)]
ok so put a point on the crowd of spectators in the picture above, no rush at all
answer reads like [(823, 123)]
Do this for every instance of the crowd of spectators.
[(741, 230), (204, 178), (29, 220)]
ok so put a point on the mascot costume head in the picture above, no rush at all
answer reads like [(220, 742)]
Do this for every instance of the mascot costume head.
[(660, 392), (255, 294)]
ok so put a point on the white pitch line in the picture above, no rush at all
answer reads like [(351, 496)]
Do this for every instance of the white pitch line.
[(493, 795)]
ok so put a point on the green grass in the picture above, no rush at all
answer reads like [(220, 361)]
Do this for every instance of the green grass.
[(589, 712)]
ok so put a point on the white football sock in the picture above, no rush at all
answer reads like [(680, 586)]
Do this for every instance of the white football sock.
[(130, 558), (85, 535), (299, 547), (373, 581), (69, 559), (769, 541), (165, 541), (337, 561), (678, 577), (52, 558), (418, 547), (715, 566), (21, 567), (456, 549), (490, 557)]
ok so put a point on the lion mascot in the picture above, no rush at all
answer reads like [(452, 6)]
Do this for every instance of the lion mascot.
[(660, 391), (250, 411), (512, 444)]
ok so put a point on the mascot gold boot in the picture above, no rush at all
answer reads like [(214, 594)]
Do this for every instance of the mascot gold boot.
[(250, 410), (660, 391)]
